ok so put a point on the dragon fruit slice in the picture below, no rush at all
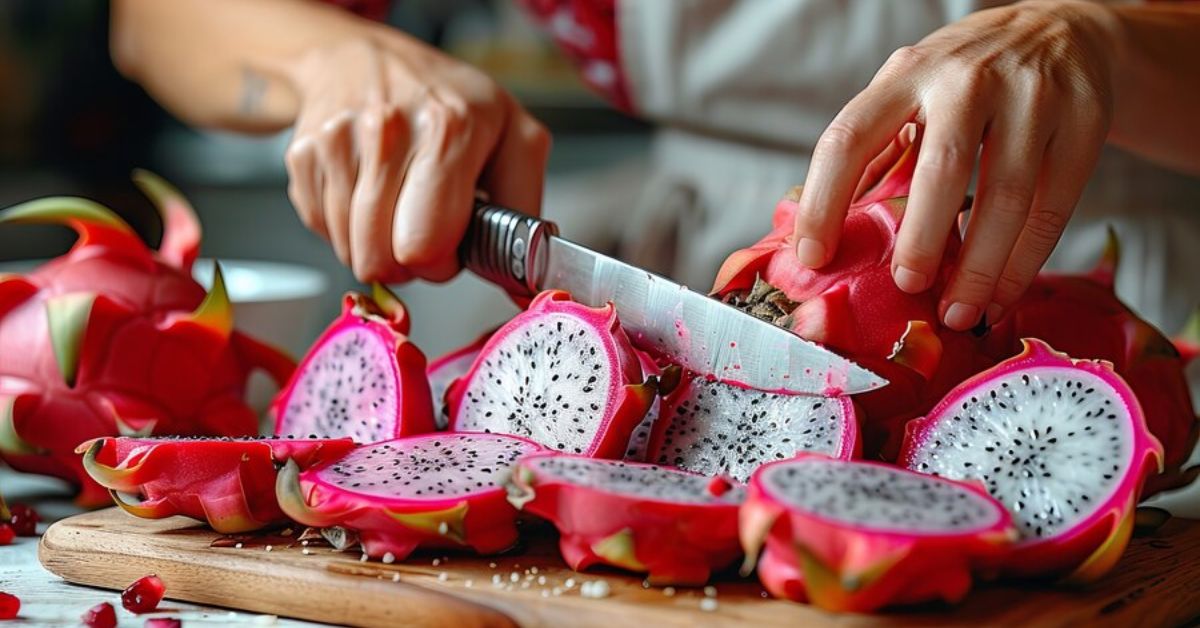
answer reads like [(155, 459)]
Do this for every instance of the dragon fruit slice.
[(1082, 316), (858, 536), (664, 380), (433, 490), (676, 526), (362, 378), (560, 373), (114, 339), (228, 482), (1061, 442), (852, 305), (712, 428), (443, 371)]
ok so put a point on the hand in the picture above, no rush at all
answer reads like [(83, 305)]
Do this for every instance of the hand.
[(392, 139), (1032, 84)]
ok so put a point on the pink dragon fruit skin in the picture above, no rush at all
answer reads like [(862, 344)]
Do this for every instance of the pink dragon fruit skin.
[(227, 482), (1091, 546), (112, 339)]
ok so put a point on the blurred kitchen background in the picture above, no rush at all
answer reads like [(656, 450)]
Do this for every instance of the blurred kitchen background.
[(71, 125)]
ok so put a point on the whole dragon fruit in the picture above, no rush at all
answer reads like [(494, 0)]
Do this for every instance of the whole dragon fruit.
[(228, 482), (1082, 316), (853, 306), (676, 526), (561, 374), (858, 536), (362, 378), (444, 370), (434, 490), (114, 339), (1062, 443), (713, 428)]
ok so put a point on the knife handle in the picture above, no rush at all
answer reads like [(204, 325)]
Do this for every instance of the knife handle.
[(506, 247)]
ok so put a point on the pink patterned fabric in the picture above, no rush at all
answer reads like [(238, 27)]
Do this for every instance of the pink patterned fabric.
[(587, 31)]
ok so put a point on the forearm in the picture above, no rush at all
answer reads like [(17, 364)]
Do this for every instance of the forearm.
[(1156, 83), (221, 63)]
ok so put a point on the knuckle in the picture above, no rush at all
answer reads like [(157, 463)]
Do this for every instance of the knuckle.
[(536, 135), (905, 58), (1008, 199), (842, 135), (1044, 226), (416, 252), (944, 159), (918, 256), (1008, 288), (975, 279)]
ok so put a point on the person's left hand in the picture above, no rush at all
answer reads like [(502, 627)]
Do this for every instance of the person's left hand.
[(1032, 84)]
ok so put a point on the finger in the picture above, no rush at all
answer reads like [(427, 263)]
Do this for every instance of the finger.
[(516, 171), (305, 184), (943, 171), (383, 152), (1008, 172), (1070, 157), (436, 199), (886, 160), (339, 165), (859, 132)]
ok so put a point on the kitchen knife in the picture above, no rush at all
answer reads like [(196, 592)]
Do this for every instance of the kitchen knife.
[(525, 255)]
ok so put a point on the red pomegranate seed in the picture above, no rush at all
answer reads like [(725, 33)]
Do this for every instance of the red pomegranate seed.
[(10, 605), (101, 615), (24, 520), (7, 534), (163, 622), (143, 595)]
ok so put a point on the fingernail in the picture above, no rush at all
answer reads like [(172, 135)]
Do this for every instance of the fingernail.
[(810, 252), (994, 311), (910, 280), (961, 316)]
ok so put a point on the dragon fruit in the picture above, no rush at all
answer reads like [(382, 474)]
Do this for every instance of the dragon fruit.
[(1061, 442), (114, 339), (1082, 316), (362, 378), (433, 490), (228, 482), (712, 428), (852, 305), (560, 373), (676, 526), (858, 536), (664, 379), (443, 371)]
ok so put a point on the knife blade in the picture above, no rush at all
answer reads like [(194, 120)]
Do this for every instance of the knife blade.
[(524, 255)]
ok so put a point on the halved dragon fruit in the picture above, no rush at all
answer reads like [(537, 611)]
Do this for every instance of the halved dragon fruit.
[(228, 482), (560, 373), (676, 526), (433, 490), (1061, 442), (362, 378), (712, 428), (858, 536), (444, 370)]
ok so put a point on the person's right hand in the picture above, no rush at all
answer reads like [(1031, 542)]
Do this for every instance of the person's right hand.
[(391, 141)]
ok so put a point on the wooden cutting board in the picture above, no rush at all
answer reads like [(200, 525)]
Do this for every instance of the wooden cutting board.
[(1157, 583)]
